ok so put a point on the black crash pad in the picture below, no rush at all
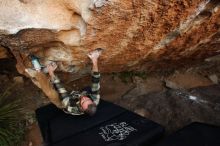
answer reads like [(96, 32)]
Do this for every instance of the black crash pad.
[(195, 134), (112, 125)]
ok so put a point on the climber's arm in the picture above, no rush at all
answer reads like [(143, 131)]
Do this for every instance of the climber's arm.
[(56, 81), (95, 87)]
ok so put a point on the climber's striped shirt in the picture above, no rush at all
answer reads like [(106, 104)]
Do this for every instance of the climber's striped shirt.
[(70, 101)]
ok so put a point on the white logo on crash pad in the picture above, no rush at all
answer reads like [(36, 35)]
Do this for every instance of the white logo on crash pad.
[(116, 131)]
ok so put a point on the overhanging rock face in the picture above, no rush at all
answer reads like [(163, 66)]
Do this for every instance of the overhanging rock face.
[(136, 34)]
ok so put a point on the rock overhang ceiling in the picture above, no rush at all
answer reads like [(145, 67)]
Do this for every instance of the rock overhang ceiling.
[(136, 34)]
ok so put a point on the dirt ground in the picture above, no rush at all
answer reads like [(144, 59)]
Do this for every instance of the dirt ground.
[(174, 100)]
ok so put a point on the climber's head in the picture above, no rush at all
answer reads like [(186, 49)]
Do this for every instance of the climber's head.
[(87, 105)]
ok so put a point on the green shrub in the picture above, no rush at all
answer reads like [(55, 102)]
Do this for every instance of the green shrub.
[(12, 125)]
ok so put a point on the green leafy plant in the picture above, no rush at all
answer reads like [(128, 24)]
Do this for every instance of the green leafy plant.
[(11, 123)]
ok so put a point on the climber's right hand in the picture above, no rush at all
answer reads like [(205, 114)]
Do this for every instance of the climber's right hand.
[(51, 68)]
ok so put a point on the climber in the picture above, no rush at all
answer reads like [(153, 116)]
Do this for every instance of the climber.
[(77, 103)]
